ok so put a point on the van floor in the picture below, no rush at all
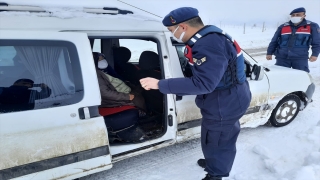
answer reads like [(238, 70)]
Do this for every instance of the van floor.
[(153, 128)]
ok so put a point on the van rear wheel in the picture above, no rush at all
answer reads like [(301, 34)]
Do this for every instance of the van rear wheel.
[(286, 110)]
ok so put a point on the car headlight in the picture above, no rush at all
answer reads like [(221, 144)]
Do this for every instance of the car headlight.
[(311, 79)]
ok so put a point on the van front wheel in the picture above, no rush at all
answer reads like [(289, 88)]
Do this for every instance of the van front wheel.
[(286, 110)]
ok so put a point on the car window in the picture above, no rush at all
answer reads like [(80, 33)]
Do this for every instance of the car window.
[(97, 45), (185, 67), (248, 58), (137, 46), (38, 74)]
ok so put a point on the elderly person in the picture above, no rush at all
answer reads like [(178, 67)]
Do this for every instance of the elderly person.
[(114, 92)]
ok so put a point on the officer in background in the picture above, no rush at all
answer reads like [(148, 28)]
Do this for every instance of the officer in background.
[(218, 80), (291, 42)]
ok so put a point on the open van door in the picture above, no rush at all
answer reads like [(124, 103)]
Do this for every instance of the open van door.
[(188, 116), (50, 127)]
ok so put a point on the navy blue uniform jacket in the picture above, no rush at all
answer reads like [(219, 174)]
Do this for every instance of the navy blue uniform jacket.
[(215, 105), (295, 45)]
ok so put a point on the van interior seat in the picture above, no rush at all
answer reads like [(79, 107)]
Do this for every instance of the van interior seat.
[(126, 70), (149, 63), (106, 111)]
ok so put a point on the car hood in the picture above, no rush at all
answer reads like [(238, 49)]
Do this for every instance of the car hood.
[(283, 70), (284, 74)]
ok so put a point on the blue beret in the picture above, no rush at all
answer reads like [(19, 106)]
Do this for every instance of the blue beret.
[(180, 15), (300, 9)]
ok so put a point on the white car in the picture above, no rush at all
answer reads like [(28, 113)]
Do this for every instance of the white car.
[(61, 134)]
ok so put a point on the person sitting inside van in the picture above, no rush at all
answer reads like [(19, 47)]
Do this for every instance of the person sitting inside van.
[(104, 66), (122, 126), (114, 92)]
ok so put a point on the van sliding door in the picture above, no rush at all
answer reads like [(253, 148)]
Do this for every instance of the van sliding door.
[(49, 122)]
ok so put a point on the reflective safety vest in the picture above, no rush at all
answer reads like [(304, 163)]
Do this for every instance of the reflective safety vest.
[(291, 37), (234, 73)]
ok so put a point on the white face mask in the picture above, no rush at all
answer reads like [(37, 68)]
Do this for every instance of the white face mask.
[(102, 64), (181, 36), (296, 20)]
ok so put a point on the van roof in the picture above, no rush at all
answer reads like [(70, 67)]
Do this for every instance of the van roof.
[(13, 17)]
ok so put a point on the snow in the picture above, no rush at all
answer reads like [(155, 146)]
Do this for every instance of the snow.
[(264, 153), (73, 12)]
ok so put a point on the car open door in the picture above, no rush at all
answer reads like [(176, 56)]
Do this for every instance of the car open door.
[(50, 127), (258, 109)]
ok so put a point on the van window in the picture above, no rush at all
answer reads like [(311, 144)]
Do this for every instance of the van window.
[(36, 74), (185, 67), (137, 46), (97, 45), (6, 55)]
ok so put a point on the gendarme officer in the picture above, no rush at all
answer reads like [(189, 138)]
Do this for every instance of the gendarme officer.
[(218, 80), (292, 40)]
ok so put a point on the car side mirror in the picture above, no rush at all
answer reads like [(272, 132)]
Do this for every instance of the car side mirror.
[(257, 72)]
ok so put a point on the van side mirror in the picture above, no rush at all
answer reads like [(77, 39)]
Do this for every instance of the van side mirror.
[(257, 72)]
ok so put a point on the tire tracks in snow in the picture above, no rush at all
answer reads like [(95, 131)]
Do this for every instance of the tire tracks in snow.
[(256, 52)]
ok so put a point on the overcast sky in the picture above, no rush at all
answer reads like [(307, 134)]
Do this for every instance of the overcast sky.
[(211, 11)]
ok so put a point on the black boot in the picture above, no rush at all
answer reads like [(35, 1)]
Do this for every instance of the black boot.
[(209, 177), (202, 163)]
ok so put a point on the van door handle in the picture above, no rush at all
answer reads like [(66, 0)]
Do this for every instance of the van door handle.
[(88, 112)]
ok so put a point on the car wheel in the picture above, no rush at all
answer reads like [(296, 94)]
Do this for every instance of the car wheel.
[(286, 110)]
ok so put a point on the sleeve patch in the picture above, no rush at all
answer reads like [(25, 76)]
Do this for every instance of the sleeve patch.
[(199, 61)]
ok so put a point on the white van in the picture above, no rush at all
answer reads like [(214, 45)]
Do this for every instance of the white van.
[(61, 135)]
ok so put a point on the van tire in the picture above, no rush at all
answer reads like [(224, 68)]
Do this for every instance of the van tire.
[(286, 111)]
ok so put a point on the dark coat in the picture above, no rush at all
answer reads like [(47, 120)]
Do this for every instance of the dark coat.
[(110, 97), (293, 42), (21, 98), (215, 105)]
